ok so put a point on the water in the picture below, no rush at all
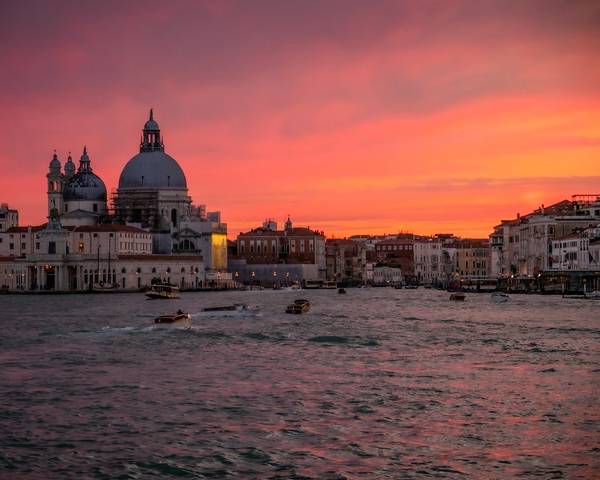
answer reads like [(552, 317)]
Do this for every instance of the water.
[(379, 383)]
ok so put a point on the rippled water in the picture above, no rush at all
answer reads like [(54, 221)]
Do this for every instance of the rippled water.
[(379, 383)]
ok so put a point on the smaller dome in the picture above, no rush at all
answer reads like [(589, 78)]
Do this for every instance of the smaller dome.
[(85, 186), (69, 166), (55, 162), (151, 125)]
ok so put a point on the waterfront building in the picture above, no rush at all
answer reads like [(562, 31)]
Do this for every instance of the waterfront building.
[(346, 261), (8, 217), (428, 260), (153, 195), (522, 246), (577, 251), (268, 255), (156, 232), (397, 253), (473, 258), (387, 276)]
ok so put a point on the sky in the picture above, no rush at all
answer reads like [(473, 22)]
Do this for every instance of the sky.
[(353, 117)]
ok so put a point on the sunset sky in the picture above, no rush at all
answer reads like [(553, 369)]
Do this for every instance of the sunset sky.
[(351, 116)]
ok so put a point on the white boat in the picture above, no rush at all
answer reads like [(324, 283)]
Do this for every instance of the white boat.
[(179, 319), (595, 295), (162, 291), (500, 297), (231, 310)]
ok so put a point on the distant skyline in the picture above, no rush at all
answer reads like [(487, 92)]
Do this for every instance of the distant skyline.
[(351, 116)]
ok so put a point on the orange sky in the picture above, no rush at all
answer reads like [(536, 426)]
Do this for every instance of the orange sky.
[(351, 117)]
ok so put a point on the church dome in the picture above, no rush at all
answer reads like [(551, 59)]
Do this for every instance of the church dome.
[(152, 167), (152, 170), (85, 185)]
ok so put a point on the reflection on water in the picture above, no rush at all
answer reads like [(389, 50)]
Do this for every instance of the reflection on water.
[(379, 383)]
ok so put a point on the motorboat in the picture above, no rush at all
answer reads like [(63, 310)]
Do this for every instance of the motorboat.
[(162, 291), (229, 310), (595, 295), (398, 286), (329, 284), (411, 287), (500, 297), (178, 319), (299, 306), (341, 290), (457, 297)]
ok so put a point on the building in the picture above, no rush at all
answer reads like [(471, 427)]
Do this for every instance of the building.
[(577, 251), (156, 233), (268, 256), (153, 195), (522, 246), (473, 258), (346, 261), (8, 217), (387, 276), (428, 261), (397, 253)]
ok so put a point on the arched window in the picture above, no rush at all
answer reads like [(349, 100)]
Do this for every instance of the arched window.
[(174, 217)]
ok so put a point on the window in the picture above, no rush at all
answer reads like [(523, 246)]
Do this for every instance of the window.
[(11, 246), (23, 246), (95, 207), (51, 247)]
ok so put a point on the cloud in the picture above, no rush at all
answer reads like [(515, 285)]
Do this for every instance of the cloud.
[(386, 110)]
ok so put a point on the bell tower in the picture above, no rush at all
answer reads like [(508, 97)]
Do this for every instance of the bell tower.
[(55, 187)]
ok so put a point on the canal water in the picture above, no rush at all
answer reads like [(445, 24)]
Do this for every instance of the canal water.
[(377, 383)]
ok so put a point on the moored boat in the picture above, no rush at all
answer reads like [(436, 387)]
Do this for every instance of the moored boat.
[(341, 290), (162, 291), (299, 306)]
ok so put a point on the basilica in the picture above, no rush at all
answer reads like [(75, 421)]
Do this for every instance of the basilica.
[(148, 230)]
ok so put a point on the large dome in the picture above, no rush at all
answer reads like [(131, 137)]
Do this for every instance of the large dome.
[(85, 186), (152, 170)]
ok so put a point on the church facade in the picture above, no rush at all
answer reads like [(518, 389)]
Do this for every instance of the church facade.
[(153, 232)]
